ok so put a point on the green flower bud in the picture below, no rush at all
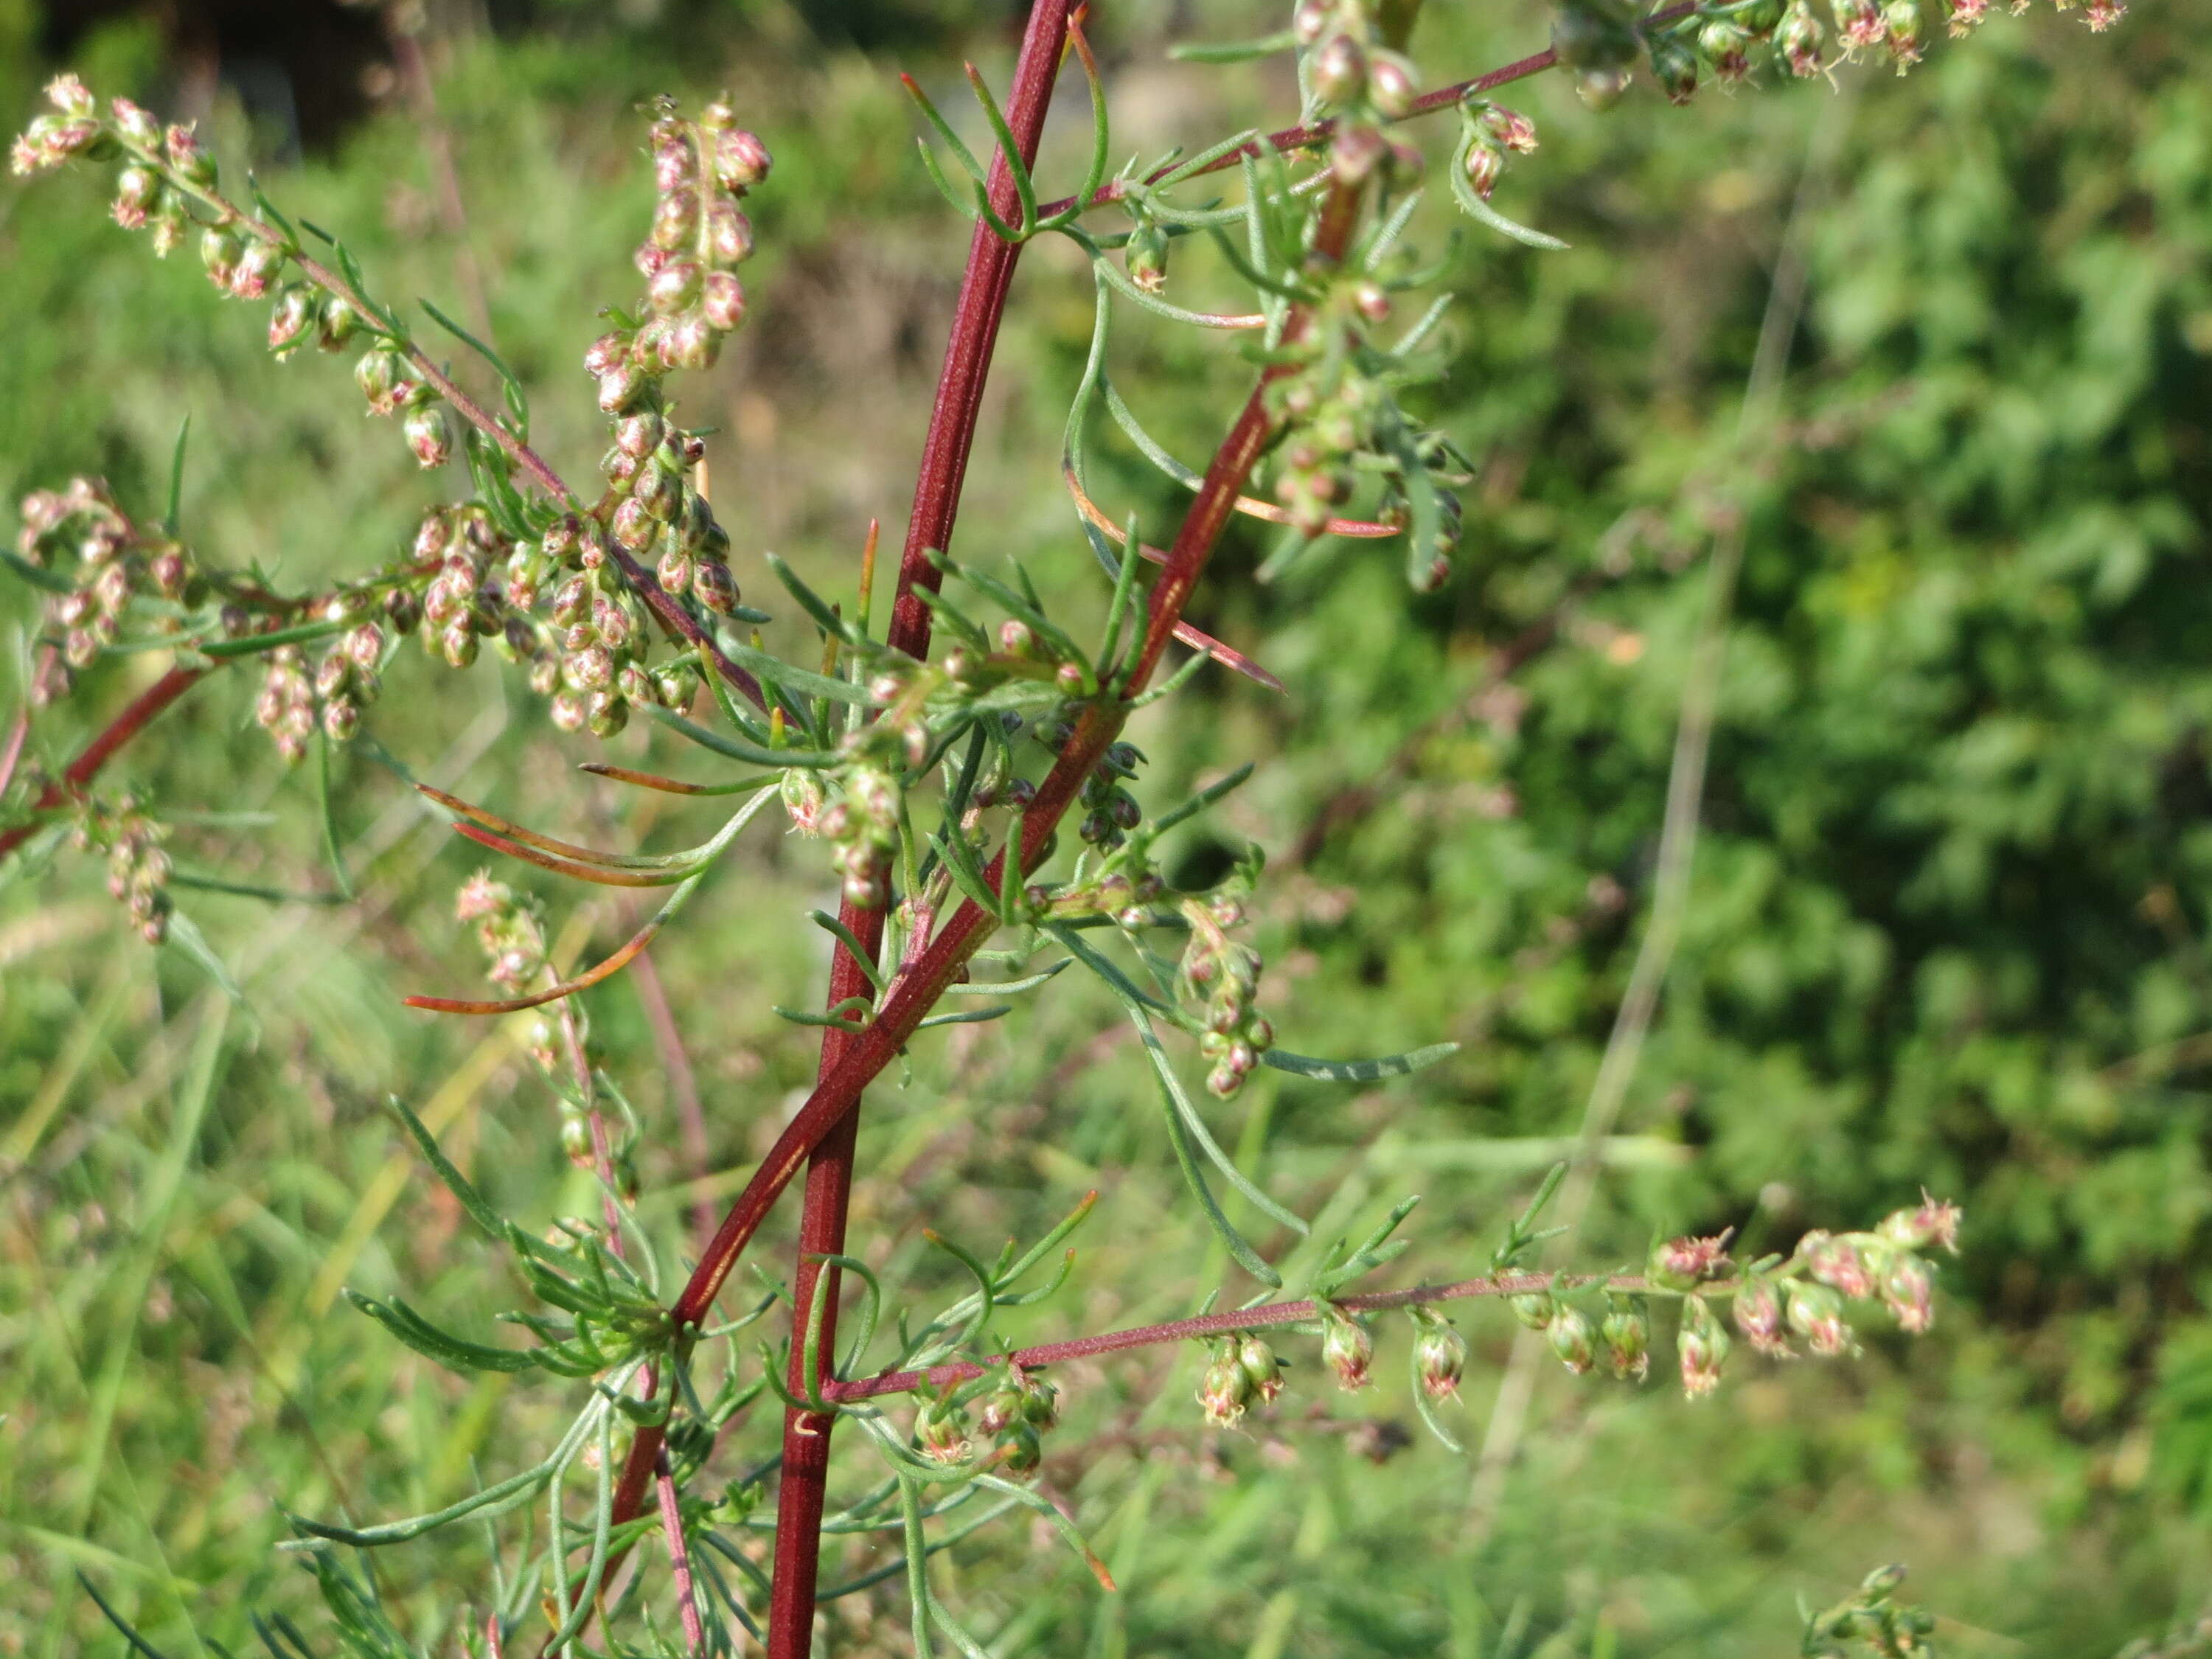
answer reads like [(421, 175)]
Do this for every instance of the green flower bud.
[(1570, 1335)]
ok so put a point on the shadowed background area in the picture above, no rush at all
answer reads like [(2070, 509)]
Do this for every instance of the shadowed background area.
[(1946, 924)]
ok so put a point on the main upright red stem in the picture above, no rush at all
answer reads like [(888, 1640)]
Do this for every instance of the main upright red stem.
[(944, 469)]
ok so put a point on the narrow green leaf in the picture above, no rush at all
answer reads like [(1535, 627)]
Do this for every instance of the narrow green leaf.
[(1358, 1070)]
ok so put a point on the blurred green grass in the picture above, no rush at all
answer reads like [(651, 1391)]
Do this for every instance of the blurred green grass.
[(1948, 925)]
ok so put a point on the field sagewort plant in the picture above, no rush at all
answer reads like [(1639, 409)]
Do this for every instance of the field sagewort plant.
[(937, 759)]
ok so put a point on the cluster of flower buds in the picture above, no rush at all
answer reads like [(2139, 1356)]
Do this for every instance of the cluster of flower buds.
[(1494, 133), (659, 514), (162, 172), (1888, 1630), (1351, 75), (701, 170), (1017, 1415), (862, 826), (507, 928), (1223, 976), (1241, 1368), (1439, 1354), (461, 606), (138, 868), (286, 707), (593, 664), (1109, 811), (115, 562)]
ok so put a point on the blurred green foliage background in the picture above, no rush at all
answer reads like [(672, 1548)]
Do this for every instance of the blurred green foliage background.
[(1947, 924)]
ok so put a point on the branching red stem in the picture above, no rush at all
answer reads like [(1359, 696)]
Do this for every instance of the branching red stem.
[(129, 724)]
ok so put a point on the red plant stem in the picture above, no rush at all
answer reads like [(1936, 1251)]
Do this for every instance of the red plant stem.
[(1239, 1319), (801, 1490), (96, 754), (671, 1527)]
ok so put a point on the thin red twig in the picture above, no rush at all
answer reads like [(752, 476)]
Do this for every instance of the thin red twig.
[(1235, 1319), (129, 724)]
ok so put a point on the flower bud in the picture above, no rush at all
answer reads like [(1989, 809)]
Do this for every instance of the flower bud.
[(1836, 1263), (1355, 153), (1146, 257), (1801, 33), (1815, 1313), (675, 165), (1261, 1368), (675, 218), (1908, 1288), (1599, 89), (714, 587), (1900, 21), (941, 1430), (674, 287), (1510, 128), (219, 253), (1439, 1356), (258, 263), (1347, 1348), (729, 233), (741, 161), (380, 374), (457, 643), (429, 434), (1483, 163), (137, 190), (1535, 1309), (1674, 66), (691, 344), (606, 352), (1702, 1346), (1020, 1448), (606, 713), (1933, 1224), (722, 300), (634, 527), (1682, 1263), (1224, 1390), (403, 609), (619, 388), (1726, 47), (193, 164), (1338, 71), (1391, 85), (674, 571), (137, 126), (1626, 1333), (1570, 1338), (288, 318), (341, 719), (1759, 1317)]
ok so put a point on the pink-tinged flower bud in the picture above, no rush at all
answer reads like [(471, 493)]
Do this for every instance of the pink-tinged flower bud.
[(1909, 1290), (674, 287), (1859, 22), (714, 587), (1727, 48), (219, 253), (138, 128), (67, 94), (1900, 23), (741, 161), (2101, 14), (341, 720), (674, 571), (1681, 1263), (429, 434), (193, 164), (1934, 1223), (611, 619), (566, 712), (381, 376), (1347, 1348), (1223, 1390), (288, 318), (1146, 257), (1702, 1346), (365, 645), (1800, 35), (458, 643), (1816, 1314), (258, 263), (166, 234), (1626, 1333), (1391, 84), (691, 344), (606, 352), (634, 527), (729, 233), (722, 302), (1338, 71), (675, 219), (591, 669), (1836, 1263), (1439, 1356), (638, 435), (619, 388), (1356, 152), (332, 673), (1261, 1368), (137, 190), (169, 570), (1483, 164), (675, 165), (1571, 1340), (28, 154), (1759, 1317), (656, 488)]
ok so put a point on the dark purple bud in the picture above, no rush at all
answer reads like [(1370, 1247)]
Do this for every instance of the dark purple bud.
[(714, 587)]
